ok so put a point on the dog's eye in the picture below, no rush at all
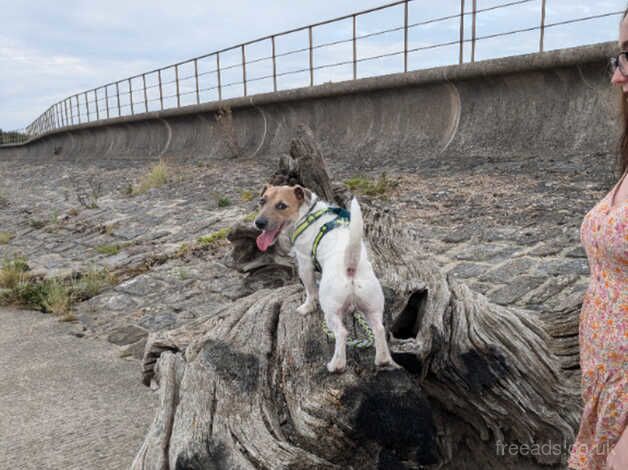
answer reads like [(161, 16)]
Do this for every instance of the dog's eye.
[(281, 206), (262, 201)]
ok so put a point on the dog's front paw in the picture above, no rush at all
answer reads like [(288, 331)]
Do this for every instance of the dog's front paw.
[(306, 308), (336, 367)]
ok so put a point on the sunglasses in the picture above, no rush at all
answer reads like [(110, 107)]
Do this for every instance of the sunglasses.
[(620, 62)]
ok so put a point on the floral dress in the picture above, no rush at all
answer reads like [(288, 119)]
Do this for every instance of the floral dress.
[(604, 334)]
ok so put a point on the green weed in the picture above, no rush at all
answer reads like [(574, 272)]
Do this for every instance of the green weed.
[(214, 237), (156, 177), (371, 187), (6, 237)]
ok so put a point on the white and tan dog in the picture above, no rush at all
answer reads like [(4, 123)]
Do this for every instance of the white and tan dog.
[(347, 278)]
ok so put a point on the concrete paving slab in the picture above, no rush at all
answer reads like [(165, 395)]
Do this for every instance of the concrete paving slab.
[(66, 402)]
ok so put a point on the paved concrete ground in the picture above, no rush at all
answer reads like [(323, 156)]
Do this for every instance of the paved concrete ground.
[(66, 402)]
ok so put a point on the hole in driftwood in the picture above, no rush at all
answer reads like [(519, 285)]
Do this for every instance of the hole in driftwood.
[(408, 322), (409, 362)]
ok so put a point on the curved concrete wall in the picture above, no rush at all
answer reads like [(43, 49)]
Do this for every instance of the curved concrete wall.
[(533, 106)]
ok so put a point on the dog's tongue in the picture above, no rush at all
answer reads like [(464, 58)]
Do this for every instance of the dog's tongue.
[(266, 239)]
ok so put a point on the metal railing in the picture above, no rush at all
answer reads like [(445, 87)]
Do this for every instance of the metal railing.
[(206, 78), (17, 136)]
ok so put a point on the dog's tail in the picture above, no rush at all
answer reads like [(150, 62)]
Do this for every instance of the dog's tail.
[(354, 247)]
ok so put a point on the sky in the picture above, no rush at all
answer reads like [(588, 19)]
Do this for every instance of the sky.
[(51, 50)]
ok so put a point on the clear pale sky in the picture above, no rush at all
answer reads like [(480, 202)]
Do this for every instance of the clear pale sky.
[(50, 50)]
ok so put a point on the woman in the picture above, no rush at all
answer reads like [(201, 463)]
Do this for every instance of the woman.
[(602, 441)]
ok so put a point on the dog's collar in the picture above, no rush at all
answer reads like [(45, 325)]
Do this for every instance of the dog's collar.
[(310, 209)]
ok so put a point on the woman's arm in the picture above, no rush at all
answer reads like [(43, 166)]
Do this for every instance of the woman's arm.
[(618, 457)]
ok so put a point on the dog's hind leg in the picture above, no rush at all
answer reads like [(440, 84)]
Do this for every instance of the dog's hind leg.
[(334, 313), (373, 308)]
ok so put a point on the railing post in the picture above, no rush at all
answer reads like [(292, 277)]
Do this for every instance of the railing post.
[(218, 71), (244, 69), (78, 109), (272, 38), (145, 94), (461, 31), (542, 38), (118, 98), (131, 96), (198, 96), (475, 5), (87, 105), (176, 79), (161, 92), (107, 100), (405, 36), (59, 118), (65, 102), (96, 101), (311, 58), (355, 49)]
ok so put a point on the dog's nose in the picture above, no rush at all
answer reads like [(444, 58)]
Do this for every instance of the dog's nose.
[(261, 223)]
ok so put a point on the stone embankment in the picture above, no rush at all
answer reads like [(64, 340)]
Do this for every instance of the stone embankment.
[(512, 235)]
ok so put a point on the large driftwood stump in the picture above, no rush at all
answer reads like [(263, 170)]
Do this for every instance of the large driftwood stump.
[(247, 388)]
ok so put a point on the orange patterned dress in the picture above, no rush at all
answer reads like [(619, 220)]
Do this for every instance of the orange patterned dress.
[(603, 334)]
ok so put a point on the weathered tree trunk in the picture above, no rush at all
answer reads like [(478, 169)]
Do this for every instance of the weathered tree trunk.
[(247, 387)]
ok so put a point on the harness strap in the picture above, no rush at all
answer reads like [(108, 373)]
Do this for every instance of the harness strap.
[(309, 220), (342, 218)]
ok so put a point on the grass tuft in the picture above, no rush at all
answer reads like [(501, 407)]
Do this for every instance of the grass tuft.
[(183, 250), (110, 250), (55, 296), (37, 224), (250, 217), (224, 201), (156, 177), (92, 283), (247, 196), (6, 237), (371, 187), (214, 237), (14, 271)]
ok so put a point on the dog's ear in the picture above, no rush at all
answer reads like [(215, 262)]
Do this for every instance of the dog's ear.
[(302, 194), (266, 186)]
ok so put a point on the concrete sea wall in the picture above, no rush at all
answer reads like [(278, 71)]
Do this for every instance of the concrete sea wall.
[(531, 106)]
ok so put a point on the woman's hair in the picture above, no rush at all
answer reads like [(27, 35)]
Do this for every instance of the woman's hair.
[(623, 146), (622, 162)]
